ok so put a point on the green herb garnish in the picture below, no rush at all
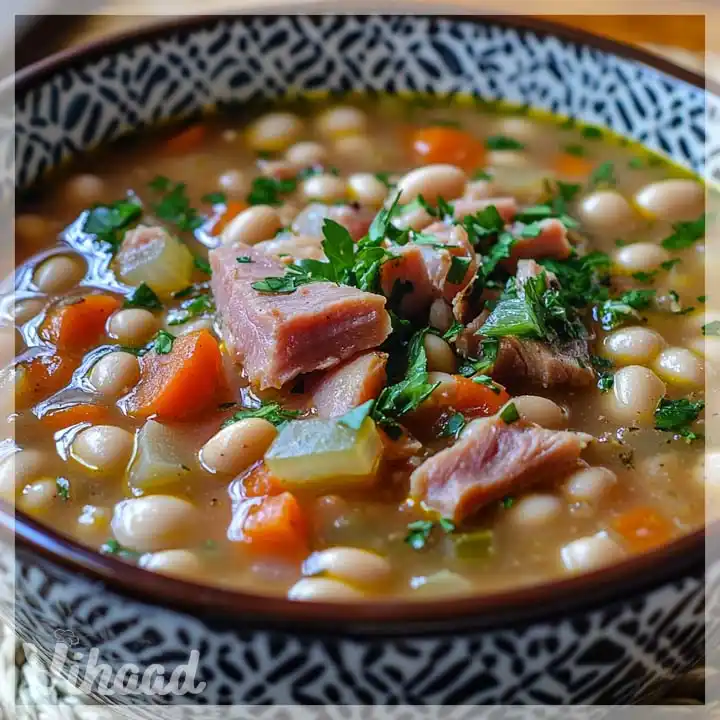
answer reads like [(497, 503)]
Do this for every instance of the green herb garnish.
[(509, 414), (163, 341), (502, 142), (603, 176), (106, 221), (196, 307), (244, 259), (174, 206), (575, 150), (273, 412), (677, 416), (452, 426), (214, 198), (143, 296), (685, 234), (419, 531), (268, 191), (591, 132), (113, 547), (62, 487)]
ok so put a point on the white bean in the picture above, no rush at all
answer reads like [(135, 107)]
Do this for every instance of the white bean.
[(238, 446), (104, 448), (182, 563), (306, 154), (274, 132), (640, 257), (115, 373), (359, 150), (432, 182), (633, 345), (83, 190), (20, 468), (38, 497), (607, 211), (508, 159), (590, 553), (133, 327), (540, 410), (59, 273), (519, 128), (251, 226), (156, 522), (366, 189), (323, 589), (234, 183), (324, 188), (26, 309), (351, 565), (679, 366), (440, 356), (636, 393), (534, 511), (441, 316), (589, 485), (672, 199), (341, 120)]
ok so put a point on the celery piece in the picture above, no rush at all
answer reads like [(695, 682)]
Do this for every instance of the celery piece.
[(158, 459), (474, 545), (316, 454)]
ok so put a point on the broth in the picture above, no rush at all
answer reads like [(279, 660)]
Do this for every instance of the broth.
[(92, 444)]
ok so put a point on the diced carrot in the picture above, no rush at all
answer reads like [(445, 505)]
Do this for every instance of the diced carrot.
[(643, 528), (40, 377), (232, 209), (74, 415), (477, 398), (79, 324), (573, 166), (186, 140), (277, 526), (439, 144), (182, 383), (260, 482)]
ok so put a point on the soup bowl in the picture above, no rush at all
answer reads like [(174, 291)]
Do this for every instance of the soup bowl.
[(615, 635)]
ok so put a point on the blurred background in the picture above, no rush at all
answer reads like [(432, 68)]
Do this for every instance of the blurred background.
[(679, 37)]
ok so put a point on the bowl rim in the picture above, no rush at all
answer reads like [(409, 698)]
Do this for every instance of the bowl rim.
[(680, 559)]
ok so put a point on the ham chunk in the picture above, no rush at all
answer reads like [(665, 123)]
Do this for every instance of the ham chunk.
[(409, 270), (279, 336), (350, 384), (552, 242), (543, 364), (490, 461), (506, 207)]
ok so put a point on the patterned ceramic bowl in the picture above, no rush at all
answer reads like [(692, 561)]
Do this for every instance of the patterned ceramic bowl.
[(612, 636)]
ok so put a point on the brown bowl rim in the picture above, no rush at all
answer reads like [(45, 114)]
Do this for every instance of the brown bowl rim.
[(674, 562)]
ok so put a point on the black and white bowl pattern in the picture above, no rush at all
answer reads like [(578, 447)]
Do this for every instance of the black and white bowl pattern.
[(611, 652)]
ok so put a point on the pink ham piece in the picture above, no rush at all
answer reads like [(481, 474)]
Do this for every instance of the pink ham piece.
[(408, 267), (552, 242), (492, 460), (280, 336), (349, 385), (506, 207)]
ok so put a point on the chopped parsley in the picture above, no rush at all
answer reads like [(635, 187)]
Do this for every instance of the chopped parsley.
[(214, 198), (202, 264), (507, 502), (685, 234), (603, 176), (677, 416), (62, 487), (174, 205), (488, 382), (106, 221), (502, 142), (113, 547), (603, 368), (244, 259), (195, 307), (670, 264), (509, 414), (645, 277), (591, 132), (163, 342), (576, 150), (458, 269), (614, 312), (273, 412), (481, 175), (143, 296), (268, 191), (419, 531), (489, 348), (451, 334), (452, 426), (354, 418), (384, 178), (410, 392)]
